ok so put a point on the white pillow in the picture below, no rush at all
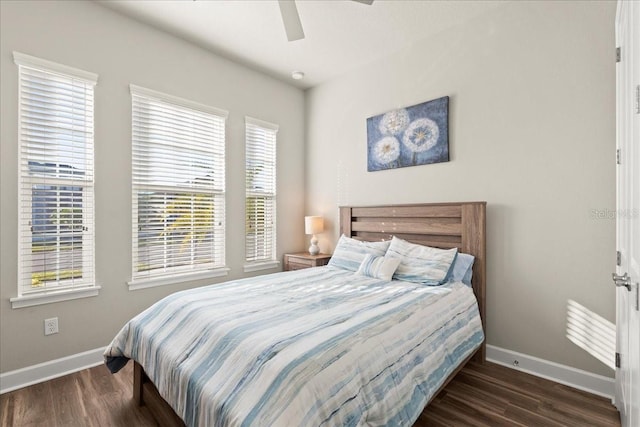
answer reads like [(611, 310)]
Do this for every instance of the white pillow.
[(378, 267), (349, 252), (420, 264)]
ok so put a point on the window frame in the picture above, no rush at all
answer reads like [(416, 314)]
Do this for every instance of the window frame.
[(264, 263), (183, 273), (65, 289)]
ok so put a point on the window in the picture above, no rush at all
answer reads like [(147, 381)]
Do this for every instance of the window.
[(56, 221), (178, 189), (260, 202)]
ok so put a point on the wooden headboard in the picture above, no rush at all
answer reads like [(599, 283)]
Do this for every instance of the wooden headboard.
[(441, 225)]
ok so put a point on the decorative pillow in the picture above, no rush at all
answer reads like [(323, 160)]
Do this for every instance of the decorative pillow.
[(378, 267), (462, 269), (421, 264), (349, 252)]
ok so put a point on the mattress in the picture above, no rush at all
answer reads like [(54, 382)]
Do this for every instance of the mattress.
[(314, 347)]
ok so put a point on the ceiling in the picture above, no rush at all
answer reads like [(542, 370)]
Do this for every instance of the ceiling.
[(341, 35)]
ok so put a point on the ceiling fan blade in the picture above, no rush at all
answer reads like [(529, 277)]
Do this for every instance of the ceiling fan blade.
[(369, 2), (291, 20)]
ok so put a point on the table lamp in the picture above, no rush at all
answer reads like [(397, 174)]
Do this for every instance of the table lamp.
[(313, 225)]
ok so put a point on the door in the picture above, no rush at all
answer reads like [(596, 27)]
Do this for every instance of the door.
[(628, 212)]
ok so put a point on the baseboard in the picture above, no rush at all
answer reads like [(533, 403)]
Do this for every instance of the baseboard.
[(41, 372), (572, 377)]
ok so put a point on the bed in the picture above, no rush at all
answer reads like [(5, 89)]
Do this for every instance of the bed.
[(319, 346)]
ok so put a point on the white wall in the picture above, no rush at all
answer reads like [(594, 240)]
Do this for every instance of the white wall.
[(532, 132), (88, 36)]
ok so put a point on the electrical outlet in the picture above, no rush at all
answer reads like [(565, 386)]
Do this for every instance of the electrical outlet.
[(51, 326)]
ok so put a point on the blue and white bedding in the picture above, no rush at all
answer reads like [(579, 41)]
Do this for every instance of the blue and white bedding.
[(314, 347)]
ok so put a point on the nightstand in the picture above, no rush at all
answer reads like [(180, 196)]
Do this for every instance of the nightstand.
[(301, 260)]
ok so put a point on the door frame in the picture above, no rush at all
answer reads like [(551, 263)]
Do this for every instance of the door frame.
[(627, 389)]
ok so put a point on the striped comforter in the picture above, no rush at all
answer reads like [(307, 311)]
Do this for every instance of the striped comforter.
[(314, 347)]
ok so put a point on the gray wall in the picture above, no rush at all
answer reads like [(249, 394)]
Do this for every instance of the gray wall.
[(532, 132), (86, 35)]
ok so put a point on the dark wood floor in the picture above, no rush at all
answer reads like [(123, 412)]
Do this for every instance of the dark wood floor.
[(493, 395), (480, 395)]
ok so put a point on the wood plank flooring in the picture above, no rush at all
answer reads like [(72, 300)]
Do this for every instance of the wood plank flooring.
[(480, 395), (493, 395)]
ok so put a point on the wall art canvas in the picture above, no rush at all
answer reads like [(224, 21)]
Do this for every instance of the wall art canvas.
[(411, 136)]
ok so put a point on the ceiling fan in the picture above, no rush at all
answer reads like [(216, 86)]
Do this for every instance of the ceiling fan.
[(291, 18)]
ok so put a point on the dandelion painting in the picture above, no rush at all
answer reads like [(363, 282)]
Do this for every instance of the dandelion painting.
[(411, 136)]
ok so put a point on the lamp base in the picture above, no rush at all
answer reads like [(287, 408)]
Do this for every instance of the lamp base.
[(314, 249)]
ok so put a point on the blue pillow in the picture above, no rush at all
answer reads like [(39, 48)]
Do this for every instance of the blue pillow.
[(421, 264), (462, 269), (350, 253)]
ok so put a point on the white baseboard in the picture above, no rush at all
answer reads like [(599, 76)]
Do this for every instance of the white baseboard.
[(41, 372), (572, 377), (582, 380)]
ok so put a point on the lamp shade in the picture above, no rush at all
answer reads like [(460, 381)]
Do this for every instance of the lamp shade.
[(313, 224)]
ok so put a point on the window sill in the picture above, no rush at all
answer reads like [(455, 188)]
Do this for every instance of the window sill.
[(138, 284), (54, 296), (267, 265)]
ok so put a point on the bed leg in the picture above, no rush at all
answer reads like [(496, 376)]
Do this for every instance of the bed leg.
[(138, 380), (480, 355)]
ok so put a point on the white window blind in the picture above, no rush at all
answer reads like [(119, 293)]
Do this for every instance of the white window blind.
[(178, 186), (56, 183), (260, 203)]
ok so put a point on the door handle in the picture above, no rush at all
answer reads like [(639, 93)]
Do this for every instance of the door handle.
[(623, 280)]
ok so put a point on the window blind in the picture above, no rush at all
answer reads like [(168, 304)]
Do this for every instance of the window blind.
[(178, 185), (56, 183), (260, 202)]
